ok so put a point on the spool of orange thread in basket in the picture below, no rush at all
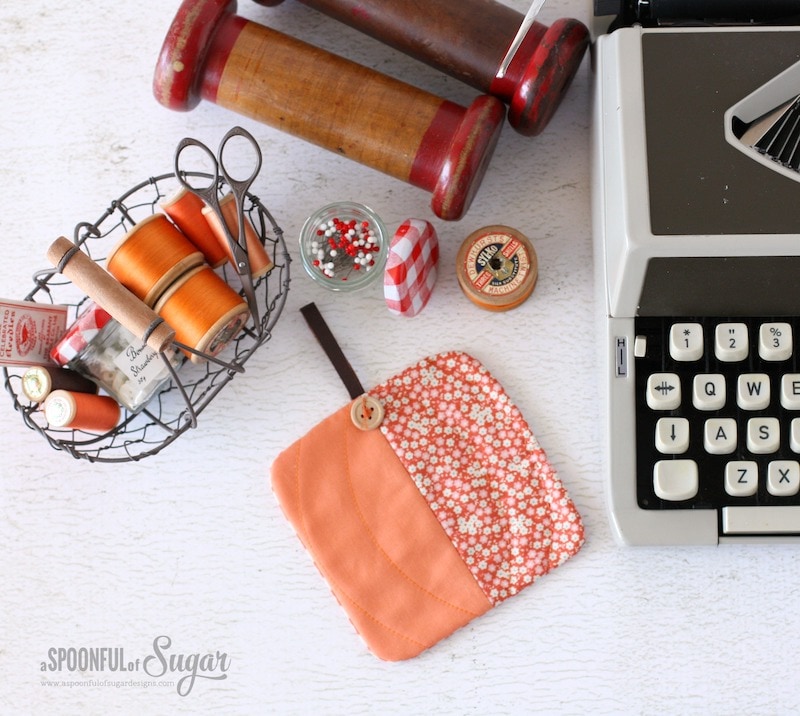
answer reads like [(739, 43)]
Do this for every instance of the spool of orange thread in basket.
[(81, 411), (260, 262), (186, 210), (206, 313), (152, 256)]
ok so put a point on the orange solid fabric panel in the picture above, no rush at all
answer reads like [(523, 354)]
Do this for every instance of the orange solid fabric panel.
[(375, 539)]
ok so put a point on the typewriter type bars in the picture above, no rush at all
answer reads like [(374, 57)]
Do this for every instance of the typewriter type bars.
[(765, 125), (777, 136)]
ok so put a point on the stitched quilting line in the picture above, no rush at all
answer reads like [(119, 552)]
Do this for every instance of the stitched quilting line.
[(380, 549), (383, 625), (333, 583)]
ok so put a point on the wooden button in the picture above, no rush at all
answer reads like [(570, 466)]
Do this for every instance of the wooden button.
[(366, 412)]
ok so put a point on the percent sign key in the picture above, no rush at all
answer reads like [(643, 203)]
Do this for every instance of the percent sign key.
[(775, 341)]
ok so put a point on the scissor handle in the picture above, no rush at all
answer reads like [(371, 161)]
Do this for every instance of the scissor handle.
[(239, 186), (207, 192)]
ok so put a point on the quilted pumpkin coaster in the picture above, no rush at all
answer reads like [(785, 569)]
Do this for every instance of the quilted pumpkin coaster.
[(426, 502)]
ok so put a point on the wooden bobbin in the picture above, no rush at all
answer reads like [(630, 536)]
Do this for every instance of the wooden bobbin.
[(81, 411), (39, 381), (186, 210), (260, 262), (109, 293), (152, 256), (206, 312), (468, 40), (407, 133), (497, 267)]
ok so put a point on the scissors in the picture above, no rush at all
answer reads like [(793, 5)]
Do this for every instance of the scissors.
[(239, 189), (527, 21)]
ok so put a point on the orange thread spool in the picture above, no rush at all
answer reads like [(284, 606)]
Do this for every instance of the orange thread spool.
[(151, 256), (206, 312), (260, 262), (81, 411), (186, 210)]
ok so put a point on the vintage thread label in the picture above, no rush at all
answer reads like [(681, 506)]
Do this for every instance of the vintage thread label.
[(497, 265), (28, 331)]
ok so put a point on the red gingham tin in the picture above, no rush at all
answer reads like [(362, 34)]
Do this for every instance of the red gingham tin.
[(411, 267), (86, 326)]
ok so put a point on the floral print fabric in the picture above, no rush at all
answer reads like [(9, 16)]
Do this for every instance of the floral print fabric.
[(473, 457)]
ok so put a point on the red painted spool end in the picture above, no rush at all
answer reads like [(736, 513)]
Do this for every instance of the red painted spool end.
[(547, 76), (179, 68), (468, 157)]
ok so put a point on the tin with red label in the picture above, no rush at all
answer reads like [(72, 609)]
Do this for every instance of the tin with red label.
[(497, 267)]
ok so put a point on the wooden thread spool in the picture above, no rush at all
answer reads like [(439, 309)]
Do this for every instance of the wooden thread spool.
[(497, 268), (81, 411), (109, 293), (388, 125), (468, 40), (38, 382), (260, 262), (152, 256), (206, 312), (186, 210)]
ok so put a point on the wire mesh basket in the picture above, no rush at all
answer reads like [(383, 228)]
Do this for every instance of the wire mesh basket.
[(174, 409)]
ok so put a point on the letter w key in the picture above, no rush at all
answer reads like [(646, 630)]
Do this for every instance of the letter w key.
[(753, 391)]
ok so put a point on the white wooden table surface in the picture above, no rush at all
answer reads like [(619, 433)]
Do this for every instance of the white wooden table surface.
[(190, 544)]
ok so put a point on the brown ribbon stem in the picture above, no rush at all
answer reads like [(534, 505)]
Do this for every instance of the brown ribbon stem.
[(332, 349)]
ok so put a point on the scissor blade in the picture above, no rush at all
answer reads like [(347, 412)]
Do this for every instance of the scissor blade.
[(527, 21)]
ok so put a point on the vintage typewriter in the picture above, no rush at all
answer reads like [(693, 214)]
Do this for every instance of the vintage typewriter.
[(696, 205)]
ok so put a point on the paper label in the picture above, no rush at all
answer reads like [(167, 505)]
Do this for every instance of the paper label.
[(28, 331), (140, 364), (497, 265)]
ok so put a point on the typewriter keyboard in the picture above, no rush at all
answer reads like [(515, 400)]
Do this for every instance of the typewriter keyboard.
[(718, 419)]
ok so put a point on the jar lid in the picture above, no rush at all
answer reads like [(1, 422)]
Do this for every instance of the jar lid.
[(411, 268), (85, 328), (497, 267)]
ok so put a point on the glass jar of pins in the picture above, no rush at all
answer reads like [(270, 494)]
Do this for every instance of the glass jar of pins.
[(343, 246)]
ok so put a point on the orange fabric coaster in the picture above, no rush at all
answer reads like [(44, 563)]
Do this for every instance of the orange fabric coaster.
[(446, 509)]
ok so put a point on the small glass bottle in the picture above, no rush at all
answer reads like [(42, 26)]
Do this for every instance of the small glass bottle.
[(344, 246), (101, 349)]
